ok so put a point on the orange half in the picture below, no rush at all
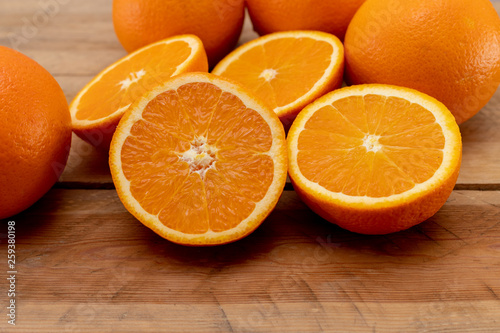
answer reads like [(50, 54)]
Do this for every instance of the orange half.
[(287, 70), (199, 160), (375, 159), (98, 107)]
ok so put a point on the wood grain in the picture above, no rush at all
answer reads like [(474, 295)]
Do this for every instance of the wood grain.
[(84, 262), (78, 41)]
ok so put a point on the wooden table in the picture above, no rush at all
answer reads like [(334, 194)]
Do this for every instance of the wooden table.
[(85, 264)]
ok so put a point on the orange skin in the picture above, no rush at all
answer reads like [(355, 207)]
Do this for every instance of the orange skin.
[(381, 221), (282, 15), (101, 136), (449, 49), (36, 134), (218, 23)]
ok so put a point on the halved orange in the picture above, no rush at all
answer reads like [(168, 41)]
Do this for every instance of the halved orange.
[(287, 70), (374, 159), (199, 160), (98, 107)]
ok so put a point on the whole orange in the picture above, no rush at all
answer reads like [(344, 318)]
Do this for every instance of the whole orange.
[(36, 131), (331, 16), (449, 49), (217, 23)]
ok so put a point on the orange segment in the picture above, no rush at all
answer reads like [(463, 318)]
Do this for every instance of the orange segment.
[(225, 205), (199, 102), (428, 136), (287, 70), (237, 165), (388, 179), (329, 119), (418, 164), (97, 109), (213, 176), (175, 122), (357, 119), (186, 211), (374, 158)]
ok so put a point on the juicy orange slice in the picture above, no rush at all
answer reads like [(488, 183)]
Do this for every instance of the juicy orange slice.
[(98, 107), (287, 70), (199, 160), (374, 159)]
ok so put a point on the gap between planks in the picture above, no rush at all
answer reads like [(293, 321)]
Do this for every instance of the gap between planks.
[(288, 186)]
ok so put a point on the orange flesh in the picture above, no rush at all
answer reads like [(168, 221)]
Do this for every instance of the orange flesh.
[(282, 70), (371, 146), (131, 79), (198, 159)]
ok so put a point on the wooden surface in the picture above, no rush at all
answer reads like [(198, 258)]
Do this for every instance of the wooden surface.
[(85, 264), (88, 264)]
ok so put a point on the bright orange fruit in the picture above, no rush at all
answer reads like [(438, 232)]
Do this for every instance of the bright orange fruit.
[(287, 70), (99, 106), (449, 49), (374, 159), (36, 132), (331, 16), (218, 23), (199, 160)]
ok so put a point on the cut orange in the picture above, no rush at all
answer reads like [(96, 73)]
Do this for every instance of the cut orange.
[(98, 107), (199, 160), (375, 159), (287, 70)]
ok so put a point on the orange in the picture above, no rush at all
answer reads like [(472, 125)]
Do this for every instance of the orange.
[(287, 70), (99, 106), (374, 159), (331, 16), (36, 132), (218, 23), (449, 49), (199, 160)]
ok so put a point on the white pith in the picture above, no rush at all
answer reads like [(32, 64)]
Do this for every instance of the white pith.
[(131, 79), (268, 74), (370, 142), (200, 157)]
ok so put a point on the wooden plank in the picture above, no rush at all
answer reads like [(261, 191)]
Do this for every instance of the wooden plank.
[(481, 148), (84, 262), (260, 317), (77, 41)]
